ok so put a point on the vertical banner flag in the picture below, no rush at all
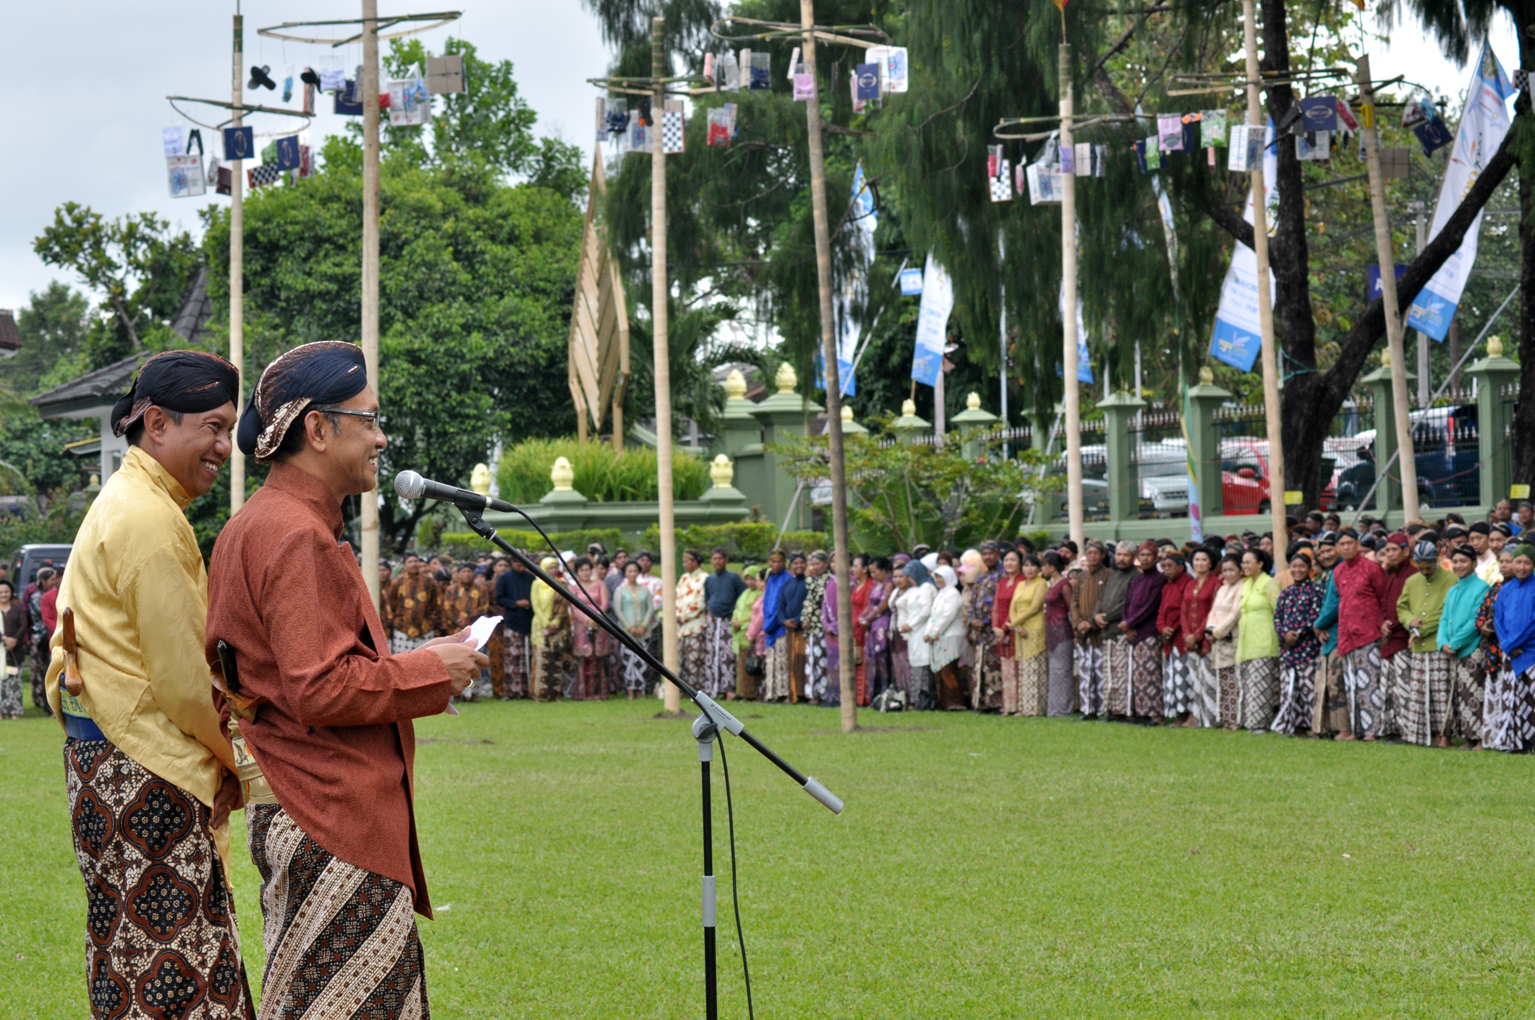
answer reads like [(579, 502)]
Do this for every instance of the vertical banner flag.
[(852, 296), (1084, 362), (1482, 127), (1238, 333), (932, 323)]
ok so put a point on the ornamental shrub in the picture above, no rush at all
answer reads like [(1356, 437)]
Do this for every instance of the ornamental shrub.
[(603, 475)]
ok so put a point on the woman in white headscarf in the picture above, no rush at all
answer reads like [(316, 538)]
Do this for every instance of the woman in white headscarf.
[(945, 635)]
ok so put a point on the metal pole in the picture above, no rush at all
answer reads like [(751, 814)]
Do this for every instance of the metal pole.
[(1423, 365), (370, 187), (237, 271), (1388, 298), (1073, 399), (1265, 296), (842, 562), (659, 294)]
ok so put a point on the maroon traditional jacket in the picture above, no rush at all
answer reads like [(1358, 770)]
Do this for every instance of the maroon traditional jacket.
[(334, 738)]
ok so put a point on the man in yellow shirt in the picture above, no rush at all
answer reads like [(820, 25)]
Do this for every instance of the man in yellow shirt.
[(147, 761)]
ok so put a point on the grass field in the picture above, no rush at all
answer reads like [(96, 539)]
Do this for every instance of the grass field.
[(984, 867)]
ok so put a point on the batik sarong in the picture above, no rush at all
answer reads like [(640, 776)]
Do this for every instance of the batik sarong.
[(900, 663), (1297, 699), (1033, 683), (162, 940), (1146, 678), (1204, 697), (340, 941), (518, 665), (1331, 712), (1361, 680), (815, 667), (400, 643), (41, 654), (775, 673), (10, 692), (495, 649), (795, 640), (1257, 692), (693, 657), (1116, 676), (1010, 679), (1395, 681), (1177, 684), (1470, 677), (1228, 697), (1064, 688), (986, 677), (720, 658), (1516, 716), (634, 671), (1423, 709), (1089, 673)]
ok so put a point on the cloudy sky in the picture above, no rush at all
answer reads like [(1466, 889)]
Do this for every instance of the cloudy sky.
[(87, 81)]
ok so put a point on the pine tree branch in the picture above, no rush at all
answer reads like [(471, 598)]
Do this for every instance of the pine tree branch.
[(946, 109)]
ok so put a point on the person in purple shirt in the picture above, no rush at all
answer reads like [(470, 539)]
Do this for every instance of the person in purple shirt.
[(1139, 624)]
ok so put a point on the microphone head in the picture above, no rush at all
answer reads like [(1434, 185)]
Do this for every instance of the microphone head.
[(409, 485)]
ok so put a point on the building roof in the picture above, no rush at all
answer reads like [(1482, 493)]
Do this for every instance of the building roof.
[(95, 392), (191, 319), (90, 394), (10, 336)]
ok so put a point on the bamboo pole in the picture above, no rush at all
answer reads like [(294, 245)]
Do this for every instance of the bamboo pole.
[(1271, 411), (660, 291), (842, 563), (1387, 258), (237, 272), (1073, 392), (370, 199)]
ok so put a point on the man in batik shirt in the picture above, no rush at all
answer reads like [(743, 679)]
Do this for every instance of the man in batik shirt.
[(338, 854), (464, 601), (148, 763), (986, 664), (415, 607)]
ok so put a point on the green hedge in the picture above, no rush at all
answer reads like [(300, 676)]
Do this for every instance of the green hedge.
[(744, 540), (466, 543), (603, 475)]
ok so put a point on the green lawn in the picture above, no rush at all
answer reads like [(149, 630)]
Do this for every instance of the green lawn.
[(984, 867)]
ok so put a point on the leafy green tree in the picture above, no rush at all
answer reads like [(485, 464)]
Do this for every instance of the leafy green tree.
[(53, 326), (139, 265), (904, 493), (477, 280)]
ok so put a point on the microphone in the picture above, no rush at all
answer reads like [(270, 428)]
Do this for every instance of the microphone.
[(410, 485)]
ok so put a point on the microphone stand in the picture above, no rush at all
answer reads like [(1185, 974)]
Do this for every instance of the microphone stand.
[(711, 720)]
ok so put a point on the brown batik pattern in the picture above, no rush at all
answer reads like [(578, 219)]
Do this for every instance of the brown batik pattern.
[(340, 941), (162, 942)]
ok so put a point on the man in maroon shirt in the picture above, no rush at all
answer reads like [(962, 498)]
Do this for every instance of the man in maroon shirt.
[(1361, 586), (1394, 657), (340, 866)]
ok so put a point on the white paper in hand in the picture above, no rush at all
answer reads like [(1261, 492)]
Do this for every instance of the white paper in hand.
[(481, 630)]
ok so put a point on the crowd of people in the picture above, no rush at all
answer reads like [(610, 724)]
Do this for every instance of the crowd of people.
[(27, 621), (1426, 634)]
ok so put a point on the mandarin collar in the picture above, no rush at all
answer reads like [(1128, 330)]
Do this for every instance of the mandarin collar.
[(155, 471), (310, 491)]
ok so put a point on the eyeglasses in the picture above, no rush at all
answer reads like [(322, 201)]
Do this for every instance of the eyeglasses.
[(372, 417)]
